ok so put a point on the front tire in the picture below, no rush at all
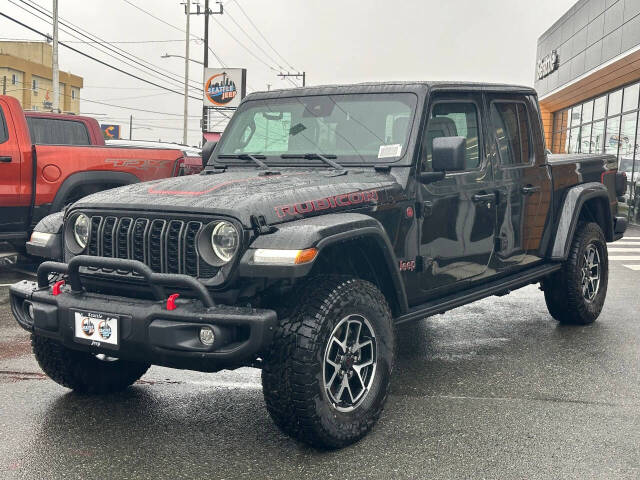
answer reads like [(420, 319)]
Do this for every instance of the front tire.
[(575, 295), (327, 375), (84, 372)]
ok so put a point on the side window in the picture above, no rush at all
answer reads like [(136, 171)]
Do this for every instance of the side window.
[(4, 134), (455, 119), (52, 131), (512, 132)]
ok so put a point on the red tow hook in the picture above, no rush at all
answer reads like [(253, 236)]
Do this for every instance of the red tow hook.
[(57, 287), (171, 301)]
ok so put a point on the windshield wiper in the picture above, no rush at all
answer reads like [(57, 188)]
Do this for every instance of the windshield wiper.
[(256, 158), (316, 156)]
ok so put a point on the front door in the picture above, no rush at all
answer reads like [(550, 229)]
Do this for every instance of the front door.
[(458, 212), (521, 181), (13, 210)]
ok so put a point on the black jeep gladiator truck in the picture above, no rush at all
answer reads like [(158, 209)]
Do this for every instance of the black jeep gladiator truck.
[(325, 218)]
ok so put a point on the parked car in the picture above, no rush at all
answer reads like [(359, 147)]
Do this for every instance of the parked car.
[(40, 179), (192, 155), (326, 217)]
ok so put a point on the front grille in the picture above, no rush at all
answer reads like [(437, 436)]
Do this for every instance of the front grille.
[(165, 245)]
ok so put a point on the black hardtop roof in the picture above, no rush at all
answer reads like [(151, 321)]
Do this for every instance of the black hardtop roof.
[(391, 86)]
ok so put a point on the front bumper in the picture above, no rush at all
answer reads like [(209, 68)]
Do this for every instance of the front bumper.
[(148, 331)]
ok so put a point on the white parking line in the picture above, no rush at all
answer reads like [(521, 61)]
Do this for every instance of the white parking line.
[(632, 267), (625, 249), (625, 257), (622, 242)]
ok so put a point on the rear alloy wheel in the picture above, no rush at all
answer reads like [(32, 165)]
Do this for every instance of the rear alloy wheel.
[(326, 377), (575, 295)]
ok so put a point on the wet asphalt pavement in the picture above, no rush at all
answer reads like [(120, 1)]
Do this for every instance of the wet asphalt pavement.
[(495, 389)]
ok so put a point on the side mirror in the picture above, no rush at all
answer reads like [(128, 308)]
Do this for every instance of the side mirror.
[(207, 150), (449, 154)]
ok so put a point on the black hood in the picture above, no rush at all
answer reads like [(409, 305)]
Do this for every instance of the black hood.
[(243, 192)]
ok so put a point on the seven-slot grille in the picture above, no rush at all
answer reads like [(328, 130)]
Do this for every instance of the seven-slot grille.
[(165, 245)]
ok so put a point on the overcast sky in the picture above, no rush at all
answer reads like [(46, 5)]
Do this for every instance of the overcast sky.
[(334, 41)]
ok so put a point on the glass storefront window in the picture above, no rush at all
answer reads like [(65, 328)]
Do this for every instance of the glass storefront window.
[(567, 138), (599, 105), (597, 137), (587, 112), (574, 143), (628, 134), (576, 114), (630, 99), (615, 103), (612, 137), (585, 139)]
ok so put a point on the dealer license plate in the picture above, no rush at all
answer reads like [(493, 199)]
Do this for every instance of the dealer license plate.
[(96, 329)]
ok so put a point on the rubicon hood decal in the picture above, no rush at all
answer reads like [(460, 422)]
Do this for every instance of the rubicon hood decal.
[(243, 192)]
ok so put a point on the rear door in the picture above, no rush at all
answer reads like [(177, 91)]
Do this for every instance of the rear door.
[(458, 212), (14, 209), (521, 179)]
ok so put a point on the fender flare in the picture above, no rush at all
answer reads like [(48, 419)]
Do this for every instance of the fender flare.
[(567, 223), (93, 177), (321, 232)]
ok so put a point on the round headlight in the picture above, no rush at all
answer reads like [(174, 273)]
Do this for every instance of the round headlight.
[(225, 240), (81, 230)]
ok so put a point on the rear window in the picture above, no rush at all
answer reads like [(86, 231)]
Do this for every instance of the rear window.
[(53, 131)]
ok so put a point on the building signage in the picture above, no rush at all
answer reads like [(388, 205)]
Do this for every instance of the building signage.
[(224, 87), (547, 65), (110, 132)]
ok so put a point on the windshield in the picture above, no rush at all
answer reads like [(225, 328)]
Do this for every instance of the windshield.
[(359, 128)]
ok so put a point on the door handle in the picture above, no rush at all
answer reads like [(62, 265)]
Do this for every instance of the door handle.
[(484, 197), (530, 190), (5, 159)]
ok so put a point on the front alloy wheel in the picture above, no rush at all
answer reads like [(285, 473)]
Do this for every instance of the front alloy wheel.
[(326, 377), (349, 363)]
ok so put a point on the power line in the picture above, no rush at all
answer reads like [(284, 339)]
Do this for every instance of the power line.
[(175, 28), (118, 51), (270, 67), (64, 44), (254, 42), (112, 42), (111, 104), (261, 35)]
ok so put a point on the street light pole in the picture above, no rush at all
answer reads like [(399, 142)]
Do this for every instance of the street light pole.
[(186, 74), (54, 68)]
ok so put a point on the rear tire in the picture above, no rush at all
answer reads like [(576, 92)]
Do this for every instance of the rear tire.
[(342, 322), (575, 295), (84, 372)]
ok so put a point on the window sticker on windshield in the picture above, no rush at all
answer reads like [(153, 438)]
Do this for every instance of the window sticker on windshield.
[(388, 151)]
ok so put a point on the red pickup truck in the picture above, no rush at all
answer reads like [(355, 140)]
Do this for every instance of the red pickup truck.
[(36, 180)]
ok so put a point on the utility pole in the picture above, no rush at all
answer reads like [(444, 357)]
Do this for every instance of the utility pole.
[(56, 76), (297, 75), (4, 85), (186, 75), (130, 127)]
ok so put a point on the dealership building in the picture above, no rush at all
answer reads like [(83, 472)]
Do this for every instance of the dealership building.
[(588, 82)]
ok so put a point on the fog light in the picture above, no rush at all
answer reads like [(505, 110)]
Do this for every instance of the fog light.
[(206, 336)]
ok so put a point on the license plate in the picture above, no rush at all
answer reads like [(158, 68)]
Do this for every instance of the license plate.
[(97, 329)]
